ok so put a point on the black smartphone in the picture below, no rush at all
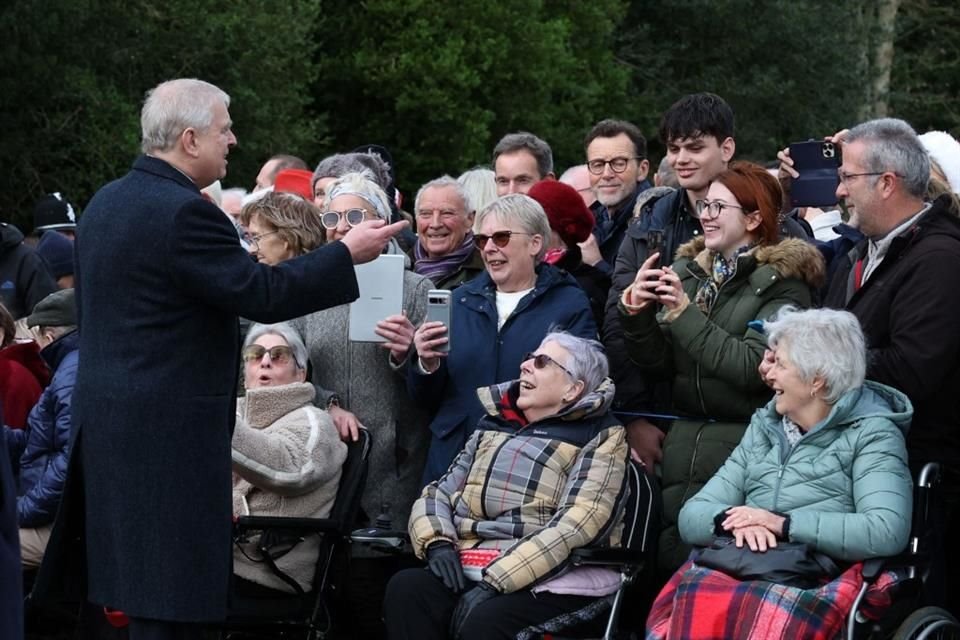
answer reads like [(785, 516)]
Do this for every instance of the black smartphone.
[(817, 162), (655, 245)]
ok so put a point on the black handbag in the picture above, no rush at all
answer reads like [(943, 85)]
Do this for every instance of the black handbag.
[(794, 564)]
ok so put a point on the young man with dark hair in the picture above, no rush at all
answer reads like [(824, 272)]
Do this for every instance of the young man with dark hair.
[(617, 164), (698, 133)]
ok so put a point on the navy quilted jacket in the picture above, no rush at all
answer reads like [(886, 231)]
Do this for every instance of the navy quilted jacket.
[(42, 447)]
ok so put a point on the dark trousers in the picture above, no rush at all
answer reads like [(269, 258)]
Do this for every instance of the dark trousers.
[(419, 607), (143, 629)]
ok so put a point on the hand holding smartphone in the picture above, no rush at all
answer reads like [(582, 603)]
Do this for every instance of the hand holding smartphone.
[(817, 163)]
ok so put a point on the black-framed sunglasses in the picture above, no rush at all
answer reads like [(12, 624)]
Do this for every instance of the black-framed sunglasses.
[(714, 208), (280, 354), (541, 360), (331, 219), (618, 165), (500, 238)]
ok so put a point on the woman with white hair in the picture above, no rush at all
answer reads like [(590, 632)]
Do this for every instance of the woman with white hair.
[(494, 319), (543, 474), (287, 456), (824, 463)]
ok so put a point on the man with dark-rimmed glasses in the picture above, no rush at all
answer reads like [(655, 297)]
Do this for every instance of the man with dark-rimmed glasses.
[(901, 282), (617, 165)]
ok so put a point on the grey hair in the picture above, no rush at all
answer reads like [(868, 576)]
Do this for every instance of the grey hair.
[(444, 182), (822, 342), (338, 165), (892, 145), (587, 361), (480, 184), (174, 106), (286, 331), (526, 141), (668, 177), (525, 210), (358, 184)]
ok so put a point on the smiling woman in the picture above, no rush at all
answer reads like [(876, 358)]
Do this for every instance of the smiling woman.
[(542, 475), (701, 340), (495, 318)]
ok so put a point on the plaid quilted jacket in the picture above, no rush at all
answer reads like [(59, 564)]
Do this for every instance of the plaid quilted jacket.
[(535, 491)]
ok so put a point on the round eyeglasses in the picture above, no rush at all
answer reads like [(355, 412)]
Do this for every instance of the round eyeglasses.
[(254, 241), (713, 209), (331, 219), (618, 165)]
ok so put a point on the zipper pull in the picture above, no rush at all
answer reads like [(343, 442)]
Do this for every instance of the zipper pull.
[(780, 473)]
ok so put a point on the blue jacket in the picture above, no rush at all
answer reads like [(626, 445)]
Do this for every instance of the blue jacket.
[(845, 483), (43, 446), (481, 356)]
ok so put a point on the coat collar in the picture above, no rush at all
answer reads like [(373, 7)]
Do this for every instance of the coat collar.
[(164, 169), (791, 258), (261, 407)]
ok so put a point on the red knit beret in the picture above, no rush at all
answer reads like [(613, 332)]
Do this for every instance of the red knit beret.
[(296, 181), (567, 213)]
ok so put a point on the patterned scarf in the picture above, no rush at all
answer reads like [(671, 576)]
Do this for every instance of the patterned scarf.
[(721, 272), (442, 266)]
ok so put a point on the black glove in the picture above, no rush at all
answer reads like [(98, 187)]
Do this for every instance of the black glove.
[(444, 562), (468, 602)]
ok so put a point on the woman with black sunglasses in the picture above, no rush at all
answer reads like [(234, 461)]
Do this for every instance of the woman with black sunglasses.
[(543, 474), (286, 455), (495, 318)]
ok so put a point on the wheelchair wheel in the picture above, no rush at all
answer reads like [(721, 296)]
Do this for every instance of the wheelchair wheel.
[(929, 623)]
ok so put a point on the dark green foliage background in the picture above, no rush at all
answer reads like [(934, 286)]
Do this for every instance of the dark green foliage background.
[(439, 83)]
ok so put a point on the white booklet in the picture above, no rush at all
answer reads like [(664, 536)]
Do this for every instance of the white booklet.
[(381, 295)]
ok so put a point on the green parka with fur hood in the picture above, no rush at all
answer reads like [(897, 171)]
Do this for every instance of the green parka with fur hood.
[(711, 359)]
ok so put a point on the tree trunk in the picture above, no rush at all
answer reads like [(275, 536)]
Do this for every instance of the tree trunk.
[(879, 52)]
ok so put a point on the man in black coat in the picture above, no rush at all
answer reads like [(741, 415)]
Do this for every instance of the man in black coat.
[(901, 282), (161, 280)]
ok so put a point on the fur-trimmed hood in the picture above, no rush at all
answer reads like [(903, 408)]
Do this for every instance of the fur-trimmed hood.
[(791, 258)]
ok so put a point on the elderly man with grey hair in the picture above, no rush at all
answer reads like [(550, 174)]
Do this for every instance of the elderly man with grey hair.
[(445, 251), (520, 160), (901, 281), (161, 281)]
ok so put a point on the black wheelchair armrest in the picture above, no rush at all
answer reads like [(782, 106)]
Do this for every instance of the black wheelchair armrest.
[(388, 540), (609, 557), (305, 525), (872, 568)]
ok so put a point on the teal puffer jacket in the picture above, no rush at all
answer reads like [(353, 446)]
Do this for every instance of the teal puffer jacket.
[(845, 483)]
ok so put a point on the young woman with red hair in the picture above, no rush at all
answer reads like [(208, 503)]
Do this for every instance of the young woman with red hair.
[(692, 324)]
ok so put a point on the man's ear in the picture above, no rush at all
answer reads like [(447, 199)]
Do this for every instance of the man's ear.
[(536, 243), (727, 148), (188, 140), (643, 170)]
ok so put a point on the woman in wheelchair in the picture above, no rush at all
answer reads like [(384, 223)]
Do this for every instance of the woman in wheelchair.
[(823, 464), (543, 474), (287, 456)]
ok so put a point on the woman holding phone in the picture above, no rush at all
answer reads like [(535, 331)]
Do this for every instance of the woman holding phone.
[(692, 323), (494, 319)]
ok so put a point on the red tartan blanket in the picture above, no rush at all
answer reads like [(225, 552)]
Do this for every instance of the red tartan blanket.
[(703, 604)]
